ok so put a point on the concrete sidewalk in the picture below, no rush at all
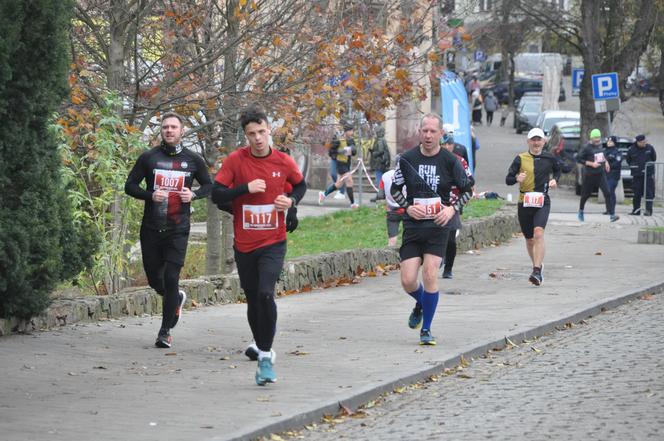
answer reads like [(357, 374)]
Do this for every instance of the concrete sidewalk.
[(107, 381)]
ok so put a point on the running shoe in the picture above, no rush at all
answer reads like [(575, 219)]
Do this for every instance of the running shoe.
[(178, 310), (426, 339), (536, 277), (252, 353), (614, 218), (354, 206), (164, 339), (580, 216), (265, 372), (447, 274), (415, 319), (339, 196), (647, 213), (321, 197), (635, 212)]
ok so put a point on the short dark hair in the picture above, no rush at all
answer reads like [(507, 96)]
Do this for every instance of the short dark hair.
[(252, 114), (177, 116)]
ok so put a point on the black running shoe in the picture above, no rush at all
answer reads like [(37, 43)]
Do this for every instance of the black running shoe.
[(252, 352), (178, 310), (447, 274), (164, 339), (536, 277)]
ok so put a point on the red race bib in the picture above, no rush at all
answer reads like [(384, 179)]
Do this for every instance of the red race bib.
[(533, 199), (433, 206)]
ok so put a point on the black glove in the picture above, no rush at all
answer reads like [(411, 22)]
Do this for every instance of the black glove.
[(291, 219)]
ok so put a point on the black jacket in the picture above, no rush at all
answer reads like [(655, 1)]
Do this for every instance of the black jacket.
[(637, 158)]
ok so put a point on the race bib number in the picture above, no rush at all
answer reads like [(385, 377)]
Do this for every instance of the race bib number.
[(433, 206), (169, 180), (599, 157), (259, 217), (533, 199)]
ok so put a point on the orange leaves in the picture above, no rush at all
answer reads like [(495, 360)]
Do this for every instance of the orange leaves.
[(401, 74), (277, 41)]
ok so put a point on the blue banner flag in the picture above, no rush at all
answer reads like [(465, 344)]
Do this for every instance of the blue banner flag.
[(456, 110)]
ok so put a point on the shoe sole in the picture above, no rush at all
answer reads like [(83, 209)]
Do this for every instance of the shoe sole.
[(428, 343), (162, 344), (178, 311), (534, 281)]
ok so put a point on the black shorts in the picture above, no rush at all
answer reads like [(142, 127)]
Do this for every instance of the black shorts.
[(343, 167), (416, 242), (393, 221), (164, 246), (531, 217)]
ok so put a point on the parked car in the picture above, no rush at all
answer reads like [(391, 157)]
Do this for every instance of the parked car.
[(526, 115), (528, 96), (548, 118), (522, 85)]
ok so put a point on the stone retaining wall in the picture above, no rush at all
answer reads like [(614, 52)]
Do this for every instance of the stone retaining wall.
[(300, 274), (651, 236)]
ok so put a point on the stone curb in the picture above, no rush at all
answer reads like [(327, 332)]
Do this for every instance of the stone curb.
[(299, 275), (648, 236), (357, 399)]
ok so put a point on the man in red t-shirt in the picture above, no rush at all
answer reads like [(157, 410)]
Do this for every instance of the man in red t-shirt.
[(254, 178)]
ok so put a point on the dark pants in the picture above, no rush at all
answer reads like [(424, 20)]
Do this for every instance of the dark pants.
[(612, 182), (450, 251), (592, 183), (489, 118), (163, 256), (259, 271), (637, 188)]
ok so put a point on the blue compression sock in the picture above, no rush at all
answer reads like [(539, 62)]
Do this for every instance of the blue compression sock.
[(429, 303), (330, 189), (417, 294)]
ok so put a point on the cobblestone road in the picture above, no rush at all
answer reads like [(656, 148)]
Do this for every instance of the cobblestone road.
[(600, 380)]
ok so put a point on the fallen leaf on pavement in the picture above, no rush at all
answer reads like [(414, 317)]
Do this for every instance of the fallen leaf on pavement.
[(646, 297), (345, 410), (598, 253), (298, 352), (171, 353), (194, 303), (466, 376), (535, 349)]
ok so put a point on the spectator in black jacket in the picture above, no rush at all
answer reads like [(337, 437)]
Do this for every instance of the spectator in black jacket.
[(638, 155), (614, 158)]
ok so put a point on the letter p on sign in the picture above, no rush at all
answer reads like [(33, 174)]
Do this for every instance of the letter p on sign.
[(605, 86)]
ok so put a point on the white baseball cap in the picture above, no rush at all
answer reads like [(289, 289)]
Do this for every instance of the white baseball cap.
[(448, 128), (536, 132)]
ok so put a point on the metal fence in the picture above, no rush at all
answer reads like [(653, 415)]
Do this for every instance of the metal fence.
[(657, 196)]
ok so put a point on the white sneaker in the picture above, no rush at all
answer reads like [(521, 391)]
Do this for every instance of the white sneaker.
[(321, 197), (339, 196), (354, 206)]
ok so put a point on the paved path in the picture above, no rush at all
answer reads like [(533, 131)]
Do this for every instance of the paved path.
[(343, 344), (603, 380)]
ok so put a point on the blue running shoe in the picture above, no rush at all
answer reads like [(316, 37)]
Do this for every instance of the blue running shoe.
[(580, 216), (415, 319), (426, 339), (265, 372)]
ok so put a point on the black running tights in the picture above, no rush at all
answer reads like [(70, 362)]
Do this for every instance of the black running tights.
[(259, 271)]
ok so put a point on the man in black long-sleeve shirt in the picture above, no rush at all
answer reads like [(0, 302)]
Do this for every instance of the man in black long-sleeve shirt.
[(428, 172), (168, 171)]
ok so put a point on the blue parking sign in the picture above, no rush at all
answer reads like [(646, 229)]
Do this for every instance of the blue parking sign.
[(577, 78), (480, 55), (605, 86)]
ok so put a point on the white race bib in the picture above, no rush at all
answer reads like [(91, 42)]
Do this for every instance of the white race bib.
[(169, 180), (260, 217), (533, 199), (433, 206), (599, 157)]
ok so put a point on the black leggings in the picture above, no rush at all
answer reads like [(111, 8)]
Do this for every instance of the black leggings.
[(163, 257), (259, 271), (592, 183), (450, 251)]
